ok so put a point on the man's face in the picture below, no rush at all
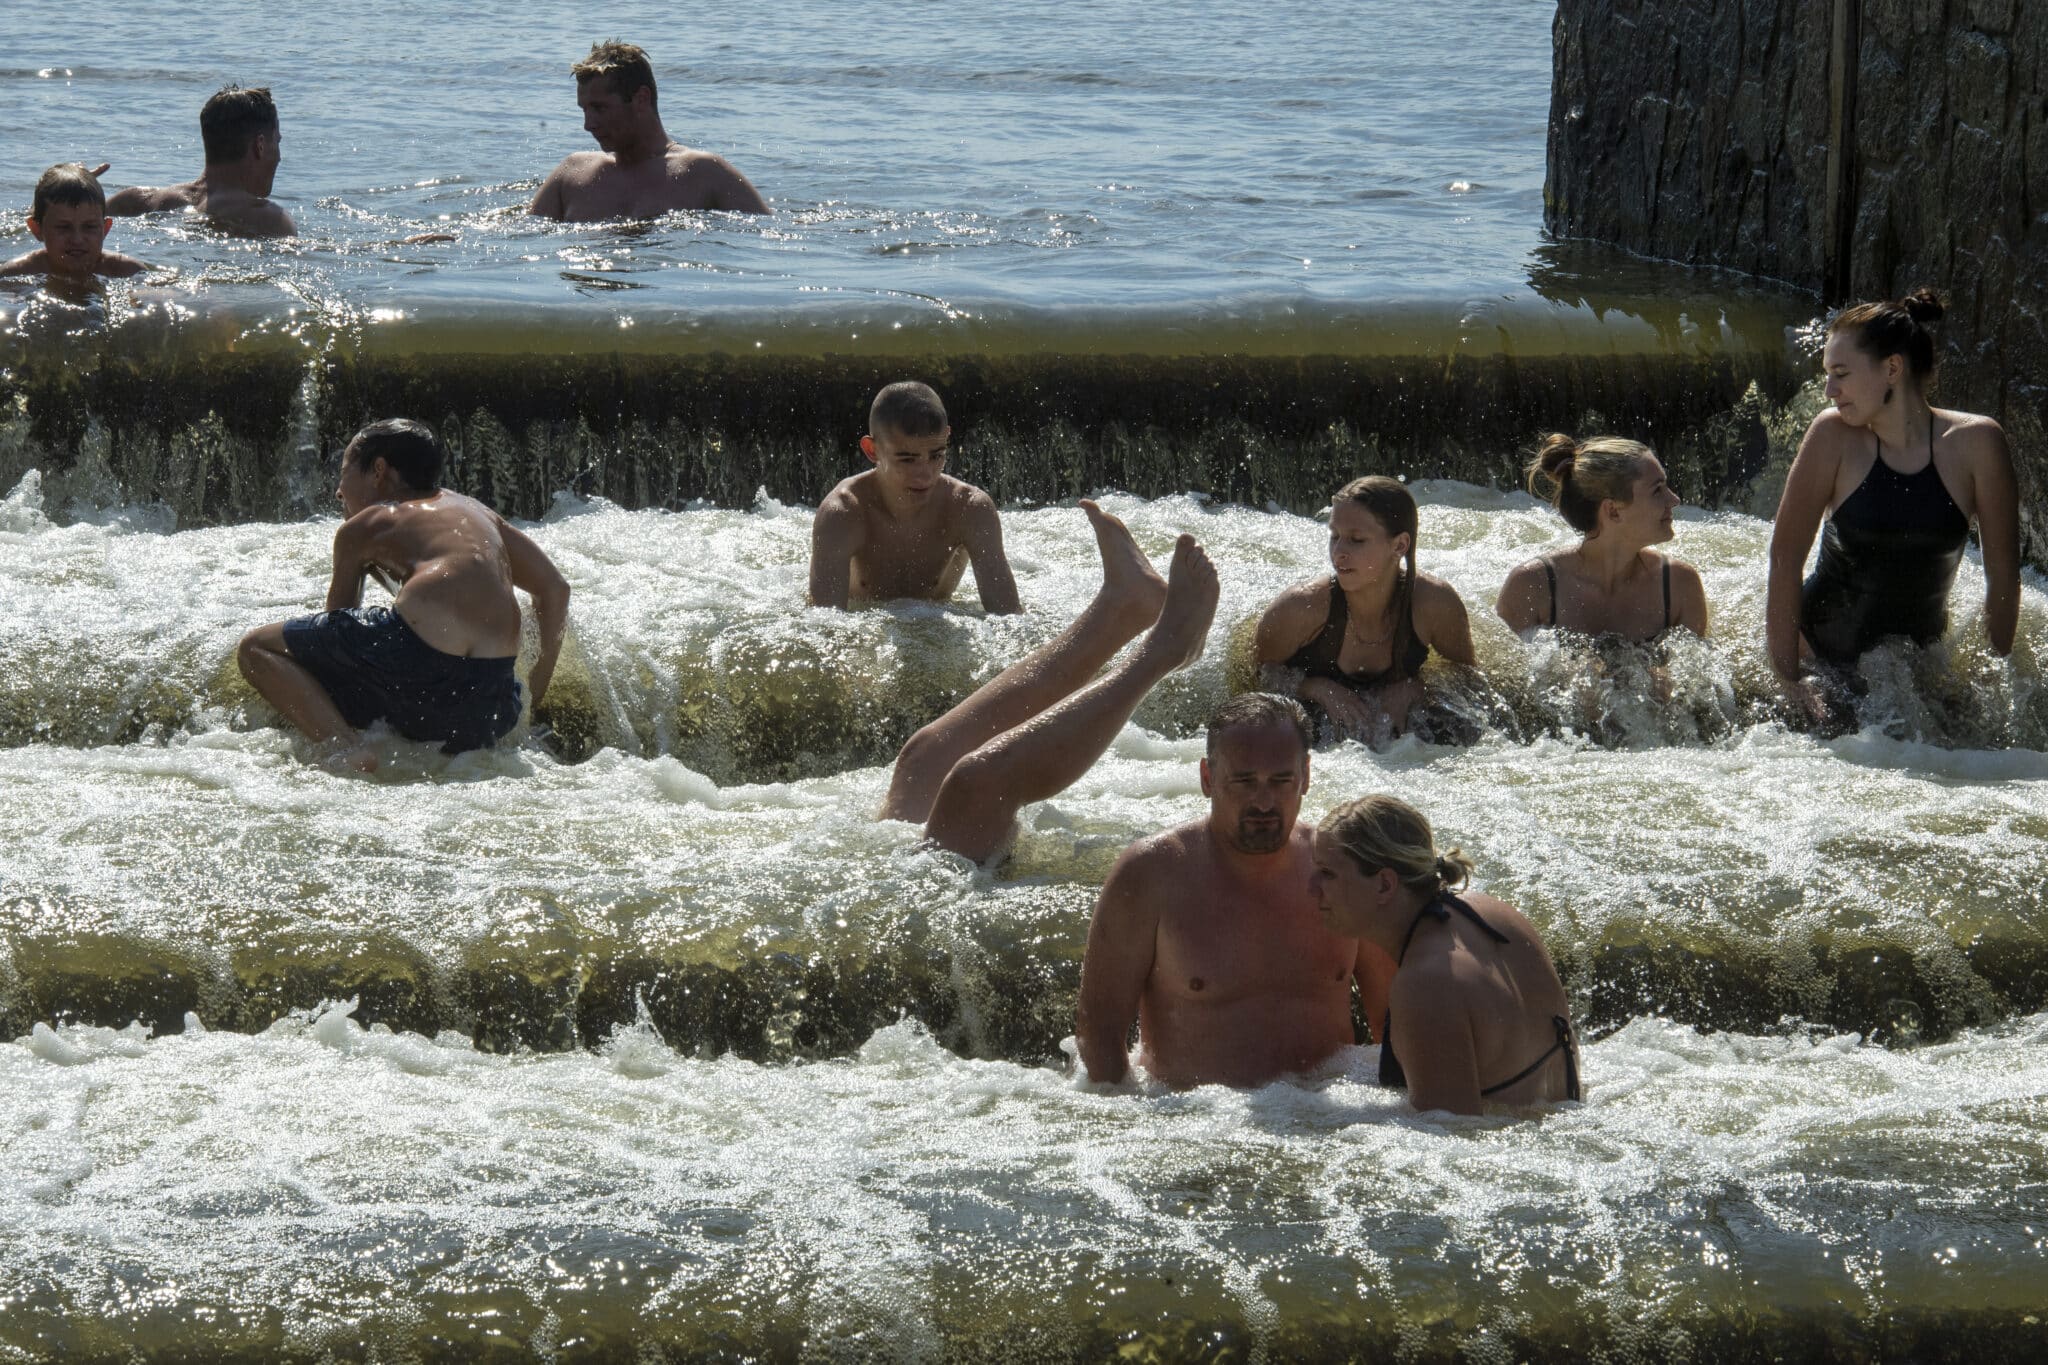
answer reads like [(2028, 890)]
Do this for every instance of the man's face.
[(606, 117), (1255, 784), (910, 465), (73, 235), (359, 486)]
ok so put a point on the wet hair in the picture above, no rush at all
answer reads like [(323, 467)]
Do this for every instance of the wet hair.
[(1393, 507), (1249, 710), (67, 183), (1905, 327), (1383, 831), (233, 119), (623, 66), (1583, 474), (907, 409), (411, 448)]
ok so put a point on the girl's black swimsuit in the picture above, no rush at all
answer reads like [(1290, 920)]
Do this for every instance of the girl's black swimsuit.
[(1391, 1074), (1318, 658), (1888, 557)]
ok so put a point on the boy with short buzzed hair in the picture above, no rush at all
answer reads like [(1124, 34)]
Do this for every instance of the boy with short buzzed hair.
[(69, 217), (906, 528)]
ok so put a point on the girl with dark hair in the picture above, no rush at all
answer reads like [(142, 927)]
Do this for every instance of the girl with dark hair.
[(1899, 481), (1359, 637), (1612, 584)]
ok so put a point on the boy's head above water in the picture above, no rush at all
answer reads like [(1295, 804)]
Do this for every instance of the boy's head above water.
[(394, 458), (908, 436), (69, 217)]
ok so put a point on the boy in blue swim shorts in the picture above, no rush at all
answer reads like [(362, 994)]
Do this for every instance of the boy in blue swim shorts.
[(436, 665)]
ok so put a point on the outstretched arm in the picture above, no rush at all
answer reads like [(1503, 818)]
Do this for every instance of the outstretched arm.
[(1998, 530), (536, 574), (992, 577), (1122, 941), (835, 536)]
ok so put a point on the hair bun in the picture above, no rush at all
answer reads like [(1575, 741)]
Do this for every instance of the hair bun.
[(1924, 306)]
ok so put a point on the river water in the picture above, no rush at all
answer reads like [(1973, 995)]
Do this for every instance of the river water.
[(641, 1039)]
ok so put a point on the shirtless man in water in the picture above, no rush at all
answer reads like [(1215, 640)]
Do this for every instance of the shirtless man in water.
[(906, 528), (640, 171), (240, 133), (1210, 936), (437, 664), (1031, 731)]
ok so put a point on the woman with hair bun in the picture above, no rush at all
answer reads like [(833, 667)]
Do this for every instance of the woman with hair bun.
[(1614, 494), (1476, 1013), (1359, 637), (1900, 481)]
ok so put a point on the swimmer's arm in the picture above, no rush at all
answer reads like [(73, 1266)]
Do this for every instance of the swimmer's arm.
[(1689, 596), (1998, 531), (984, 538), (1809, 487), (1122, 942), (1433, 1038), (1374, 972), (130, 201), (354, 557), (548, 202), (731, 192), (836, 535), (535, 574), (1441, 621), (1524, 599)]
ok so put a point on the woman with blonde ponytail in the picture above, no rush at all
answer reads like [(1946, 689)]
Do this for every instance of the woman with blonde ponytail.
[(1476, 1013), (1899, 481), (1614, 494)]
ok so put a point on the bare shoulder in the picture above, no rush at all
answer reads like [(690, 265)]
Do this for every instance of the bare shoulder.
[(1157, 858), (1292, 619), (966, 502), (1975, 434), (1425, 988), (580, 168), (116, 266), (1433, 592), (848, 496), (1830, 434), (28, 263)]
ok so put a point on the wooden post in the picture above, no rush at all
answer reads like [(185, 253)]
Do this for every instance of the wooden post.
[(1844, 48)]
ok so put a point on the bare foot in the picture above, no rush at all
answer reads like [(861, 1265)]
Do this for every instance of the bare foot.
[(1131, 587), (1191, 592)]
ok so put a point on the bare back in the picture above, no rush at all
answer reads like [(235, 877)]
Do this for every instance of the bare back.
[(1246, 983), (592, 187), (448, 555), (237, 211), (1456, 982)]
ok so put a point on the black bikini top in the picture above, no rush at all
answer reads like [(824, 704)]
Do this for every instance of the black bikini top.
[(1391, 1074), (1318, 658), (1550, 576)]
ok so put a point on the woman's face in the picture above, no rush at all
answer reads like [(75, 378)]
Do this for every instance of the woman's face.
[(1361, 551), (1646, 520), (1346, 896), (1857, 383)]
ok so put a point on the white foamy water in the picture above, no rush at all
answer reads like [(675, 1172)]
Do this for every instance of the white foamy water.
[(923, 1187), (322, 1186)]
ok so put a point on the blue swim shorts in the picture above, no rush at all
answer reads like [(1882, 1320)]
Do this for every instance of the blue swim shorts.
[(375, 668)]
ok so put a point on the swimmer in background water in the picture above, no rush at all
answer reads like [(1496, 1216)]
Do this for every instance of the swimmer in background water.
[(1476, 1014), (906, 528), (1359, 637), (437, 664), (1900, 482), (239, 130), (638, 171), (1032, 731), (1614, 494), (68, 215)]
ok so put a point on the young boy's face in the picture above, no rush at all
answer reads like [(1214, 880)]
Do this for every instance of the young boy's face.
[(908, 464), (72, 235)]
